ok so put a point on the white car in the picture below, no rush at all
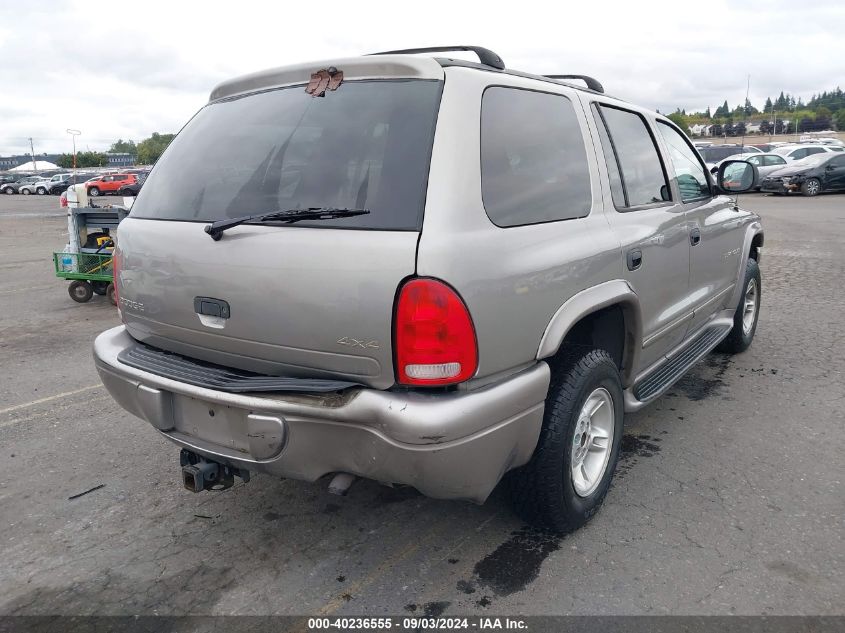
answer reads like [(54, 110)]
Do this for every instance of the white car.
[(43, 186), (765, 164), (797, 152)]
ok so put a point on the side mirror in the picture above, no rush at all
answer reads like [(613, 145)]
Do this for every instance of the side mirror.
[(736, 176)]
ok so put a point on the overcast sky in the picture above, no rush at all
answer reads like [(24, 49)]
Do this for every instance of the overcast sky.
[(126, 69)]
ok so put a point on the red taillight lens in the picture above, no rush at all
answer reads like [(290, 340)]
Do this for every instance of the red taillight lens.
[(434, 339)]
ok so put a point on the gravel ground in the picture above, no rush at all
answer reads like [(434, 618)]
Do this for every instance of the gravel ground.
[(728, 500)]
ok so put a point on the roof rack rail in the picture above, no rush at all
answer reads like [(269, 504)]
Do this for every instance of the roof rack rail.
[(592, 84), (485, 55)]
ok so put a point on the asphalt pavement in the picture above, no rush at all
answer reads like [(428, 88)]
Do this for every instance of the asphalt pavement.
[(729, 498)]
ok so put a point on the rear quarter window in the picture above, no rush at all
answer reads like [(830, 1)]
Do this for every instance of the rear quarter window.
[(533, 160)]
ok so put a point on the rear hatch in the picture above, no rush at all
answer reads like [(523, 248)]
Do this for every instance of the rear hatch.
[(307, 299)]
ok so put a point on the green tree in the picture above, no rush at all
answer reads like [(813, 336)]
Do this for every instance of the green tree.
[(750, 109), (823, 118), (150, 149), (124, 147), (840, 120), (83, 159), (723, 110), (680, 120)]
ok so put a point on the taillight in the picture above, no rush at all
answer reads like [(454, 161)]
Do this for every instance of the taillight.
[(434, 338)]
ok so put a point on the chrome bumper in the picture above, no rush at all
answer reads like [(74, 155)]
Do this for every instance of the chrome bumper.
[(447, 445)]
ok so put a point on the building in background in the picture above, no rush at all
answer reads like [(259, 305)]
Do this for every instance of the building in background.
[(9, 162), (120, 159)]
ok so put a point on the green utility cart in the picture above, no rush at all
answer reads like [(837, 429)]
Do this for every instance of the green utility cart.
[(88, 273), (87, 259)]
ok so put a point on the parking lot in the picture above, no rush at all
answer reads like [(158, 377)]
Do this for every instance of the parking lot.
[(728, 499)]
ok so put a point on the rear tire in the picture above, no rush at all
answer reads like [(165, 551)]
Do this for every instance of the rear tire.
[(747, 312), (110, 293), (9, 191), (41, 191), (554, 490), (811, 187), (25, 192), (100, 287), (80, 291)]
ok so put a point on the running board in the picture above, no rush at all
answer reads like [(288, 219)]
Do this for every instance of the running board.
[(655, 383)]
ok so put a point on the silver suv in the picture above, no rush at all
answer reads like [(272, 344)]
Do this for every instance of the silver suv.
[(423, 271)]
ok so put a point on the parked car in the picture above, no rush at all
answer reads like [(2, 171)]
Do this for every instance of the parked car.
[(133, 188), (109, 183), (488, 298), (763, 147), (811, 176), (715, 154), (797, 152), (58, 187), (42, 187), (765, 164), (11, 188), (4, 178)]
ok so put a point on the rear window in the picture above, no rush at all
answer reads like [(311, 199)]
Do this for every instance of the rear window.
[(716, 154), (366, 145)]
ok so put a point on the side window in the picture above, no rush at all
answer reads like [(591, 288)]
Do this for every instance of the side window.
[(839, 161), (769, 161), (533, 160), (813, 150), (755, 160), (689, 172), (798, 154), (632, 158)]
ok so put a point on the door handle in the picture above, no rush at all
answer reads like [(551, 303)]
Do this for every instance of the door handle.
[(694, 236), (635, 259)]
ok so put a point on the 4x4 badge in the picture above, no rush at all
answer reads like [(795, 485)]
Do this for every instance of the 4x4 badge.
[(354, 342)]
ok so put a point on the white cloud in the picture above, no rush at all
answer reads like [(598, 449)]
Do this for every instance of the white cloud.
[(129, 70)]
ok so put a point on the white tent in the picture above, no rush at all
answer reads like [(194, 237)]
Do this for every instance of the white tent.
[(39, 165)]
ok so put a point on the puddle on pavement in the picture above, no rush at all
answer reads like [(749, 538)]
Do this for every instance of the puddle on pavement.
[(632, 448), (429, 609), (517, 561), (704, 380)]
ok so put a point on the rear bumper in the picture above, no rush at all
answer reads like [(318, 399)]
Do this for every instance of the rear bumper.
[(777, 186), (454, 445)]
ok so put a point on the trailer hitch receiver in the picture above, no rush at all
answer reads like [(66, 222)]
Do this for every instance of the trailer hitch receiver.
[(199, 473)]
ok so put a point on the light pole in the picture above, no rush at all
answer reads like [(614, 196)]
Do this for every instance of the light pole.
[(74, 134)]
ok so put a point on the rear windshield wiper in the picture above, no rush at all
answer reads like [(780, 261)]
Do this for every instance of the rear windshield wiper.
[(215, 229)]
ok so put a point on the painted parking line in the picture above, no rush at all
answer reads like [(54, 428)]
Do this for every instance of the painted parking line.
[(33, 403), (55, 410), (9, 292)]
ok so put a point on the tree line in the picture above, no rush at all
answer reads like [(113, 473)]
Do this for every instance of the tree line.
[(782, 115), (145, 152)]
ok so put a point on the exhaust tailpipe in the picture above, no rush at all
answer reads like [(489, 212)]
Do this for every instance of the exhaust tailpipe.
[(341, 483)]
